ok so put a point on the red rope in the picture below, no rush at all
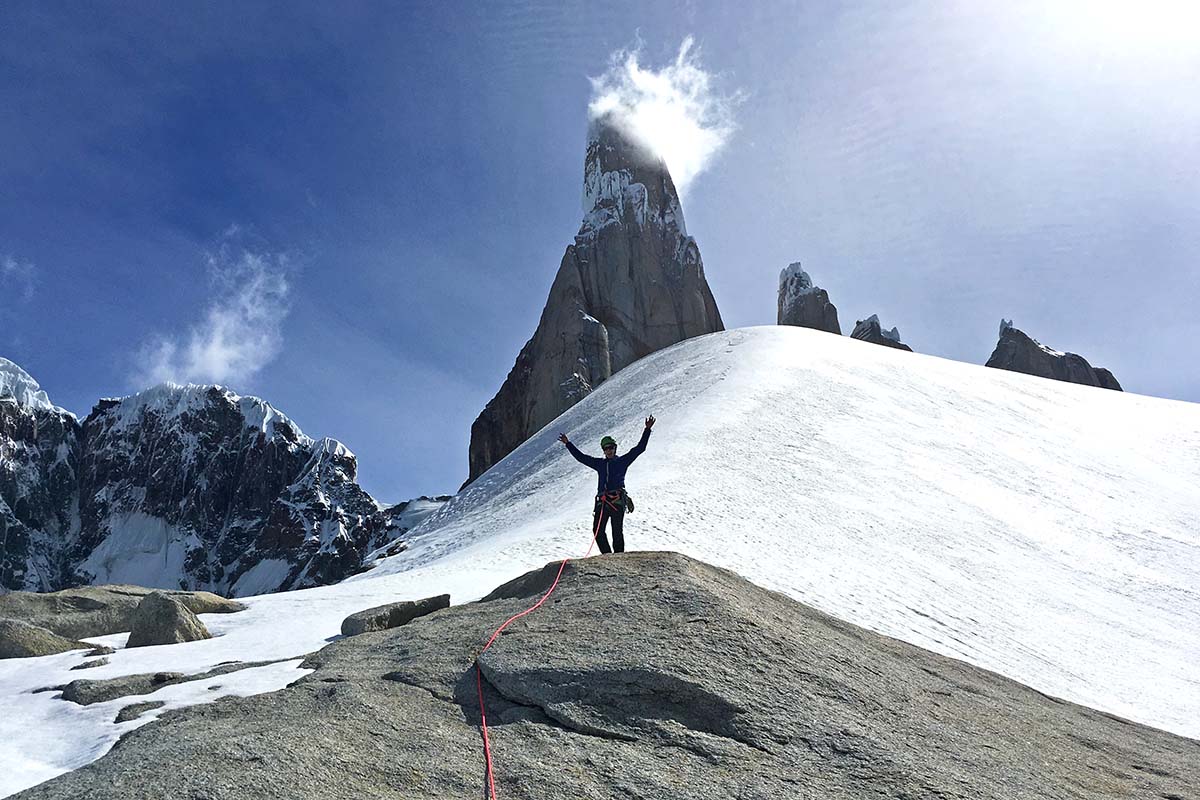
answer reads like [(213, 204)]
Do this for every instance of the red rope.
[(487, 745)]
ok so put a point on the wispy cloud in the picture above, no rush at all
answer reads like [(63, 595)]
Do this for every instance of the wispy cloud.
[(676, 111), (241, 331), (17, 278)]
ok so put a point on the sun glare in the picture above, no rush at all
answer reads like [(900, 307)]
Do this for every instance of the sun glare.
[(1123, 25)]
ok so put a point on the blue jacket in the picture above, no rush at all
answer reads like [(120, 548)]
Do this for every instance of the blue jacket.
[(611, 471)]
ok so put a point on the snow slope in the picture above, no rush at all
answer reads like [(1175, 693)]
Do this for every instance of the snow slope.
[(1041, 529)]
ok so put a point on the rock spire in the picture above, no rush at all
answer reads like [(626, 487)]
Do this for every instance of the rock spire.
[(804, 305), (1018, 352), (631, 283), (871, 330)]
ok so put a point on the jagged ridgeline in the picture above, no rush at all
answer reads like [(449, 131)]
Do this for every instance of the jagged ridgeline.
[(181, 487), (632, 283)]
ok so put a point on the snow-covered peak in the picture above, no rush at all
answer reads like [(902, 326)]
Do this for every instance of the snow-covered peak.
[(795, 272), (794, 282), (17, 384), (172, 401), (620, 175)]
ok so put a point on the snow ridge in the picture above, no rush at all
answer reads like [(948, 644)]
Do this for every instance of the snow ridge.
[(18, 385), (172, 401)]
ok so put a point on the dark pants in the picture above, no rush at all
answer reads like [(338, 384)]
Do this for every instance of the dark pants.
[(602, 514)]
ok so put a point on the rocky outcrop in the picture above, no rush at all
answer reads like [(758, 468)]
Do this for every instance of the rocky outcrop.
[(660, 678), (870, 330), (89, 611), (804, 305), (179, 487), (392, 615), (631, 284), (1019, 352), (161, 619), (22, 640)]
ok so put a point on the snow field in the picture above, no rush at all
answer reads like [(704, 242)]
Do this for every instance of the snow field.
[(1039, 529)]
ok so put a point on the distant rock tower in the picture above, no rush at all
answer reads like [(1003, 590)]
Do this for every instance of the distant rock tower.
[(632, 283), (804, 305), (871, 330), (1018, 352)]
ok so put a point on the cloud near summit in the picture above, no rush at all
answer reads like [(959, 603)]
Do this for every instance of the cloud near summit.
[(675, 111), (241, 330)]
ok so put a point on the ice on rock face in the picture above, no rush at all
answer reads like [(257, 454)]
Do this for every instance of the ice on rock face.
[(795, 272), (616, 172), (795, 282), (17, 384)]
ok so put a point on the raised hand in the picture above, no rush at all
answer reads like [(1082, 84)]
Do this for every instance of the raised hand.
[(650, 422), (562, 437)]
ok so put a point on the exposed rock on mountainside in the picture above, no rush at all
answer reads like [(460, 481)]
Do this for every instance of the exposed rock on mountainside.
[(870, 330), (651, 676), (1019, 352), (179, 487), (632, 283), (804, 305)]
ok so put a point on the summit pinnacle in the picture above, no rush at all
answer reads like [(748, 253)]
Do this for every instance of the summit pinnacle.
[(632, 283)]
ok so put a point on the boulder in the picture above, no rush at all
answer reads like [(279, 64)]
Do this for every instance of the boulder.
[(163, 619), (392, 615), (804, 305), (90, 611), (21, 640), (870, 330), (631, 284), (645, 675), (1019, 352)]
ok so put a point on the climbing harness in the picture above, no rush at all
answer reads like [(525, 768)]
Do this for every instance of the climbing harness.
[(614, 501), (487, 745)]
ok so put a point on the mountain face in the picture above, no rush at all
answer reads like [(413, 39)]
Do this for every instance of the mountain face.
[(632, 283), (181, 487), (870, 330), (804, 305), (1019, 352), (38, 484)]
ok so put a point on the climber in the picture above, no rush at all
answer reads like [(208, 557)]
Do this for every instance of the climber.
[(611, 499)]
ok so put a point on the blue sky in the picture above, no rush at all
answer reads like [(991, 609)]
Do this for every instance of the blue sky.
[(401, 180)]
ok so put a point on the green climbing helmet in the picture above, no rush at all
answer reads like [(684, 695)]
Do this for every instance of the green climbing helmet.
[(607, 441)]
